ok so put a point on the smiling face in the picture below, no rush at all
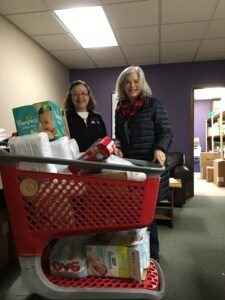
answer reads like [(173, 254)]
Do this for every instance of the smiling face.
[(132, 86), (80, 97)]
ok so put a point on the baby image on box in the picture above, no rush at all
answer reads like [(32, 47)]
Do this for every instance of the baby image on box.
[(96, 267), (47, 121), (45, 116)]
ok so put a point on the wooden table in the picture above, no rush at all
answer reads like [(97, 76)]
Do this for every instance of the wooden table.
[(164, 209)]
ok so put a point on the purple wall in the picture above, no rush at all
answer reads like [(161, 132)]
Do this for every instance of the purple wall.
[(171, 83), (202, 109)]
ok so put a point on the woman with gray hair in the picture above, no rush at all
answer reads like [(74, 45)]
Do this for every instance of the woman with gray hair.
[(142, 130)]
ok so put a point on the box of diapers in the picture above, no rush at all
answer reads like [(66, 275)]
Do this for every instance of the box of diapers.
[(119, 260), (43, 116)]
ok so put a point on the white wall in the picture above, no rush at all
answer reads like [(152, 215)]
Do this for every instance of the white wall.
[(28, 74)]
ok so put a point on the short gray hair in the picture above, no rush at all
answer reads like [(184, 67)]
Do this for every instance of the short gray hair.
[(119, 90)]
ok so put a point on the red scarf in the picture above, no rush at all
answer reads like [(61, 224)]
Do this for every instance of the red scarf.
[(127, 109)]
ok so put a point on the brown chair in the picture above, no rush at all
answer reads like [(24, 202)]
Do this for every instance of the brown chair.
[(178, 169)]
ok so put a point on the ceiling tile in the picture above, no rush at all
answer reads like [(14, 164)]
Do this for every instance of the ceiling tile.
[(64, 4), (216, 29), (142, 61), (56, 41), (179, 48), (37, 23), (137, 35), (210, 56), (99, 54), (111, 63), (183, 31), (212, 45), (116, 1), (21, 6), (141, 13), (140, 50), (220, 10), (74, 58), (187, 26), (176, 59), (174, 11)]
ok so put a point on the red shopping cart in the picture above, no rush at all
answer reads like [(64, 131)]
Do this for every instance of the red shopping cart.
[(45, 206)]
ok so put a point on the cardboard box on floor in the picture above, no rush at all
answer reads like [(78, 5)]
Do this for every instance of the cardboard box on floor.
[(206, 159), (209, 173), (219, 172)]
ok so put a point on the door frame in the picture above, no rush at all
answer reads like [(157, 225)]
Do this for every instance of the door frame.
[(191, 148)]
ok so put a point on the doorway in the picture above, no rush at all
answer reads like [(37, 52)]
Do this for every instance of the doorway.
[(205, 94)]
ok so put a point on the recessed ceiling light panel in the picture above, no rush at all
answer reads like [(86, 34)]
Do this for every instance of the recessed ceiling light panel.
[(88, 25)]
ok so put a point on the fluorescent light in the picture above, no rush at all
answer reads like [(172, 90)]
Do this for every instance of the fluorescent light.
[(209, 93), (89, 26)]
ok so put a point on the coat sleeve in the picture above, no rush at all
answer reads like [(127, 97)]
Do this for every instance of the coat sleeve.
[(164, 135)]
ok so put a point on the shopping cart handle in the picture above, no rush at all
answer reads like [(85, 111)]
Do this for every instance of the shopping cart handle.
[(151, 170)]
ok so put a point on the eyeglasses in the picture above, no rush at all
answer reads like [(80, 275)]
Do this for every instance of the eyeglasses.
[(83, 94)]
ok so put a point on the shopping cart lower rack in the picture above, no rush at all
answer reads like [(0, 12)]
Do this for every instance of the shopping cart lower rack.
[(43, 207)]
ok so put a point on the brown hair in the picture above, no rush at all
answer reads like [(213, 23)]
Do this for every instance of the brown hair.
[(69, 102)]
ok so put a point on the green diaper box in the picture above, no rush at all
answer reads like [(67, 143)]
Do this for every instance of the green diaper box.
[(42, 116)]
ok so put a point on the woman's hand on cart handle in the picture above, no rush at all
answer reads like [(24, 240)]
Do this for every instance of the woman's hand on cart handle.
[(160, 157), (118, 152)]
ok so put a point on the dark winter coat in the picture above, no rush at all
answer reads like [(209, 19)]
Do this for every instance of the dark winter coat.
[(141, 134), (85, 134)]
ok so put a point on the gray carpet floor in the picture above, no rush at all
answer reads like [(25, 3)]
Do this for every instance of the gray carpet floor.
[(192, 253)]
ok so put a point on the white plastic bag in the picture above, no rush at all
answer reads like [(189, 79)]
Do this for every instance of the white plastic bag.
[(68, 258)]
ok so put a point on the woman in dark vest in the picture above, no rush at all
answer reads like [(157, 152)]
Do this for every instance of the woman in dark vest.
[(142, 130), (85, 125)]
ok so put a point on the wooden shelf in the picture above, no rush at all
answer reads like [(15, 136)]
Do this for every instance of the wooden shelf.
[(211, 139), (164, 209)]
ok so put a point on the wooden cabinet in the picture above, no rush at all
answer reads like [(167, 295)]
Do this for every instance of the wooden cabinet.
[(215, 132)]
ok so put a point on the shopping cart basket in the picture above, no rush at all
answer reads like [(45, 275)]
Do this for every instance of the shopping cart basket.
[(45, 206)]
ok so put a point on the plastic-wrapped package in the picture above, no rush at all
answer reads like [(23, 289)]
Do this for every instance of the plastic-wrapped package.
[(125, 237), (68, 258), (61, 148), (74, 148), (36, 144), (113, 159)]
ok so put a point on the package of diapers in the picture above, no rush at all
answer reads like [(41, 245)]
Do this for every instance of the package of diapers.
[(68, 258), (131, 237), (119, 260), (61, 149), (45, 116), (36, 144), (74, 148)]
